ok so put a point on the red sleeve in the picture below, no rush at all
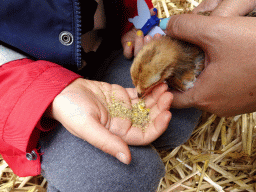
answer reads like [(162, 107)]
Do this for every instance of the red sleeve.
[(27, 89), (130, 11)]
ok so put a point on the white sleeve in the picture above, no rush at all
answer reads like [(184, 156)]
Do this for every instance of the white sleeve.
[(7, 55)]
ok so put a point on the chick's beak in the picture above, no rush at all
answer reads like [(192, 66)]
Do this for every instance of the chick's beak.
[(141, 94)]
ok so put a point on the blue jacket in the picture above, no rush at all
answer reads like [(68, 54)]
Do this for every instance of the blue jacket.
[(54, 34)]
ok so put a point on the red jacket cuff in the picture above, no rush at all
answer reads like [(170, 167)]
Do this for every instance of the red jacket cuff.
[(28, 88)]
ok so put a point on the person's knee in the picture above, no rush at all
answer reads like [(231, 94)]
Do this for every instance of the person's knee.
[(142, 175), (145, 171), (71, 164)]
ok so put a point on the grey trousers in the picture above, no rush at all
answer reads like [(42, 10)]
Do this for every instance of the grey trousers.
[(71, 164)]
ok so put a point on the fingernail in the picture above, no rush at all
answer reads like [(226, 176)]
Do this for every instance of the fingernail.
[(129, 43), (163, 23), (139, 33), (122, 157)]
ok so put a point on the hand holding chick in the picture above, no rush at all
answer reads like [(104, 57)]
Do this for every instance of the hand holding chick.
[(227, 86)]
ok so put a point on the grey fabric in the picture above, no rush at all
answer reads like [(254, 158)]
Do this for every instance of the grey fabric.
[(7, 55), (71, 164)]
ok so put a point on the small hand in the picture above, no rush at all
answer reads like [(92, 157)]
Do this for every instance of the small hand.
[(82, 108), (134, 40)]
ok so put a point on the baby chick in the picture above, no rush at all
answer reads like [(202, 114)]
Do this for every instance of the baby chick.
[(169, 60)]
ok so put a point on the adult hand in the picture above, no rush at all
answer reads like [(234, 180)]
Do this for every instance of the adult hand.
[(134, 40), (227, 86), (82, 108), (226, 8)]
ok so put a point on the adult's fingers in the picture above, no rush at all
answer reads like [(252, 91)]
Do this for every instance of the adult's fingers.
[(182, 99), (208, 5), (196, 29), (233, 8)]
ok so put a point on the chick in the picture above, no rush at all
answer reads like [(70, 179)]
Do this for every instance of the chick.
[(176, 62)]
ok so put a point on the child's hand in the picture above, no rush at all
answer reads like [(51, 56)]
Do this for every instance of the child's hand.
[(82, 107), (134, 40)]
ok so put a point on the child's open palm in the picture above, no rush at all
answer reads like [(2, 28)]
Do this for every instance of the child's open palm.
[(82, 107)]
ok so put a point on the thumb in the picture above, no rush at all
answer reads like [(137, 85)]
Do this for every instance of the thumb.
[(97, 135), (205, 6), (234, 8), (100, 137), (182, 99), (190, 27)]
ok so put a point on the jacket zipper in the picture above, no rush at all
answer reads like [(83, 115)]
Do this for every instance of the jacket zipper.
[(78, 33)]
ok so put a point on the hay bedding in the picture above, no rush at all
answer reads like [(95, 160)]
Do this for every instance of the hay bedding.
[(219, 156)]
